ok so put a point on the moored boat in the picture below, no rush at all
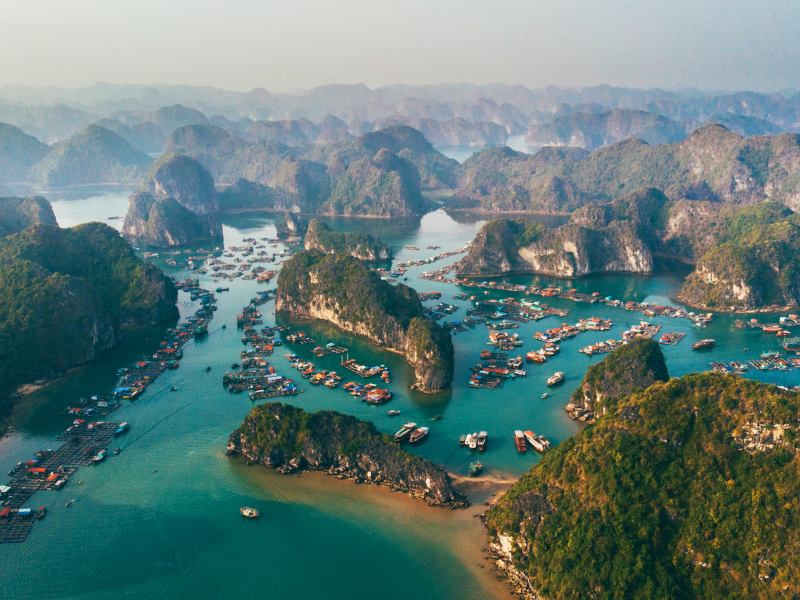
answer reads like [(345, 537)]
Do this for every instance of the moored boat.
[(475, 468), (519, 441), (405, 431), (418, 435), (704, 344)]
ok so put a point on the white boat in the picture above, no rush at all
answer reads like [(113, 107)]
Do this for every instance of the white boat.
[(483, 437), (555, 378), (248, 513), (473, 441), (405, 431)]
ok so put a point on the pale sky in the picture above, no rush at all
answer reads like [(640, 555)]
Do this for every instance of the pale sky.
[(284, 45)]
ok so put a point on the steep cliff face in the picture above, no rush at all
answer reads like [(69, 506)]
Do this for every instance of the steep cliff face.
[(166, 223), (289, 439), (575, 251), (17, 214), (625, 371), (754, 263), (184, 180), (362, 246), (343, 291), (178, 206), (429, 350), (571, 250)]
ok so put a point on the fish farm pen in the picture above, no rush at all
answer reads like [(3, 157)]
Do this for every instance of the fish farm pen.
[(86, 440)]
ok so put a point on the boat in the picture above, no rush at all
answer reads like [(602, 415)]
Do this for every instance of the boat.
[(248, 513), (545, 396), (393, 413), (537, 442), (121, 428), (475, 468), (555, 378), (472, 441), (519, 441), (100, 456), (418, 435), (405, 431), (704, 344), (483, 438)]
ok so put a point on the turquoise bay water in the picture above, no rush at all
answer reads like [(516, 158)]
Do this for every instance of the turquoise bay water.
[(161, 519)]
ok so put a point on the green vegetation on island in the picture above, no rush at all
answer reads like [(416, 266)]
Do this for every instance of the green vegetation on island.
[(688, 489), (289, 439), (66, 296), (342, 290), (630, 368), (319, 236)]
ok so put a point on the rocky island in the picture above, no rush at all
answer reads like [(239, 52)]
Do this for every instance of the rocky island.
[(319, 236), (177, 206), (629, 369), (653, 500), (343, 291), (17, 214), (289, 439), (67, 296), (741, 256), (608, 238)]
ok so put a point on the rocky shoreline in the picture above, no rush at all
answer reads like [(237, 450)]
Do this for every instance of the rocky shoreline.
[(289, 440)]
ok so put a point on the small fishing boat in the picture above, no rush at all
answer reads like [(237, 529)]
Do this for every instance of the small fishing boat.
[(475, 468), (483, 438), (248, 512), (545, 396), (393, 413), (519, 441), (555, 378), (99, 457)]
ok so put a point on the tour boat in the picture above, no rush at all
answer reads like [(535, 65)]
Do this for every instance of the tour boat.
[(418, 435), (704, 344), (555, 378), (405, 431)]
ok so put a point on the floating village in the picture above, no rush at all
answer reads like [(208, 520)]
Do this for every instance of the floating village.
[(92, 437)]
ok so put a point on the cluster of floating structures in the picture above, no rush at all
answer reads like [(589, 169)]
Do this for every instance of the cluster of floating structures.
[(87, 439), (780, 329), (769, 361), (255, 375), (642, 330), (370, 393), (649, 310)]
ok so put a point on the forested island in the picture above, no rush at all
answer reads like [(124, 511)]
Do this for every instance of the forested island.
[(343, 291), (69, 295), (289, 439), (742, 256), (686, 489)]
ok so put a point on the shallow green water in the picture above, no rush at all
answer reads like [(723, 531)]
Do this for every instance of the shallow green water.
[(161, 519)]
